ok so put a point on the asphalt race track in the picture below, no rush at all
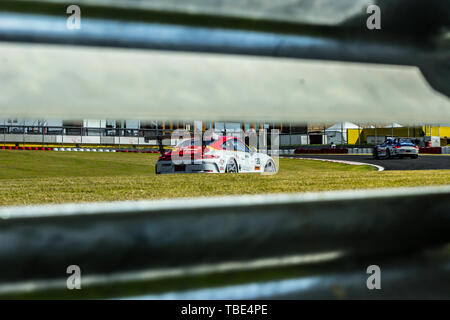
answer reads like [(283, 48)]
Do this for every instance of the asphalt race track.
[(424, 162)]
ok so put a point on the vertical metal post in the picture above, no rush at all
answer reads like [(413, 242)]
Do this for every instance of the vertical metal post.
[(43, 134), (307, 134), (359, 139), (138, 135), (23, 134), (324, 134), (290, 133), (120, 129), (376, 140)]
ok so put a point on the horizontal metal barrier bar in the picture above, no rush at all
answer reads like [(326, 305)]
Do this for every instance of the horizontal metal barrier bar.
[(161, 85), (189, 70), (327, 31), (360, 47), (416, 277), (321, 13), (109, 238), (269, 83)]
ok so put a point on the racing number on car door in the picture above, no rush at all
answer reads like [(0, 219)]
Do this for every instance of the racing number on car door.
[(244, 156)]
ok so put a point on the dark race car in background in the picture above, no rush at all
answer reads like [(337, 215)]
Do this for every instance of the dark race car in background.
[(400, 148)]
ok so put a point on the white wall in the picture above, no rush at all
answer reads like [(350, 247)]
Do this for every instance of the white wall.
[(336, 137)]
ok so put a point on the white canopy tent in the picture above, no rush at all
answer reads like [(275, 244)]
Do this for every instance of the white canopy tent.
[(337, 133)]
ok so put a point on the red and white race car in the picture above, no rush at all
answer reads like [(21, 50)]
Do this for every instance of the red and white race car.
[(224, 154)]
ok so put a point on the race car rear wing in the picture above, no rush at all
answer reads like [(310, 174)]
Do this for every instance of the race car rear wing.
[(325, 43), (159, 140)]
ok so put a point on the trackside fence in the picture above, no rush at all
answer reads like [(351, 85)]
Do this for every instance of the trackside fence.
[(316, 245), (147, 244)]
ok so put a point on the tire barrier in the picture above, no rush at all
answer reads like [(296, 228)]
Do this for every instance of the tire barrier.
[(425, 150), (137, 150), (26, 148), (78, 149), (287, 151), (136, 242), (321, 150), (360, 150), (431, 150)]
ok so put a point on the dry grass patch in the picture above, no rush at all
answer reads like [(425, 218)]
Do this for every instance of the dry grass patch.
[(58, 177)]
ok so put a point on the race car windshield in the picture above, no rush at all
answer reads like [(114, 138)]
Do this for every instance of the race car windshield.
[(194, 143), (406, 142)]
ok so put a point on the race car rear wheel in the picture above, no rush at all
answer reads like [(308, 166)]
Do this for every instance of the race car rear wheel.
[(270, 167), (231, 167), (388, 154), (375, 154)]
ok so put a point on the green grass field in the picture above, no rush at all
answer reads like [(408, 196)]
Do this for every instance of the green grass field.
[(56, 177)]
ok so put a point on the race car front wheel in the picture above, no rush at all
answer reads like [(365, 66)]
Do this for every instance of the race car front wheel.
[(270, 167), (231, 167), (375, 154)]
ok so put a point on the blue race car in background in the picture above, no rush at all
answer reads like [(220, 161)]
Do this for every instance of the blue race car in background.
[(400, 148)]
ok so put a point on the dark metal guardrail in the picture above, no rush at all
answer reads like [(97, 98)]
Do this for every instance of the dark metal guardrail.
[(286, 246), (202, 246), (413, 32), (246, 37)]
